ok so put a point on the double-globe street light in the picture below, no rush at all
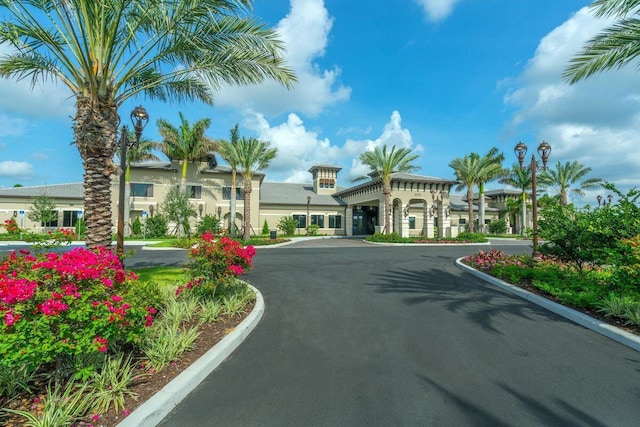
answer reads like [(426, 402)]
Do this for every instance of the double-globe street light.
[(543, 150), (139, 118)]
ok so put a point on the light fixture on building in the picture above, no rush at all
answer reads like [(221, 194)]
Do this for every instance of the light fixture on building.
[(151, 209), (219, 212)]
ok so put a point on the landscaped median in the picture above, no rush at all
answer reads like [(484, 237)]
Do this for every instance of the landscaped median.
[(588, 297), (79, 334)]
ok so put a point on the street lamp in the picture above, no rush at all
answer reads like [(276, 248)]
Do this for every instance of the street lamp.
[(139, 118), (601, 203), (308, 217), (543, 150)]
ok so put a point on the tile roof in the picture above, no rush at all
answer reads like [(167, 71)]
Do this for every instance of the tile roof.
[(295, 194), (74, 190)]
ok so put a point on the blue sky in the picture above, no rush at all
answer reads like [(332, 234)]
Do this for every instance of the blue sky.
[(443, 77)]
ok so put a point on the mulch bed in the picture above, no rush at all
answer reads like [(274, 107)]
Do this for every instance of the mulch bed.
[(149, 384)]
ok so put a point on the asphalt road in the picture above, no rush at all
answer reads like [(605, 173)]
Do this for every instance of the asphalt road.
[(361, 335)]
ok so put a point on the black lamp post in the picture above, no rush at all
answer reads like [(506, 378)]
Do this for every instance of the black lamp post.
[(601, 202), (543, 150), (139, 118)]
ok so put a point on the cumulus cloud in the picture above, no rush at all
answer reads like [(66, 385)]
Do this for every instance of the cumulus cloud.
[(595, 121), (305, 33), (437, 10), (10, 168), (300, 148), (44, 100)]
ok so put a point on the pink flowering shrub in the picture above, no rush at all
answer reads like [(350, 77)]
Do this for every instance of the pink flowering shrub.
[(213, 261), (11, 226), (513, 268), (57, 304)]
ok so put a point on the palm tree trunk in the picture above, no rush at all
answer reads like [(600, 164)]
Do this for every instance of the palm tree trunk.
[(247, 208), (127, 201), (183, 190), (563, 198), (96, 136), (470, 208), (481, 207), (386, 190), (232, 209), (524, 213)]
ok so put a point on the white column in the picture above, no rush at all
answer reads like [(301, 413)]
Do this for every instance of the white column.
[(444, 229), (348, 221), (404, 221), (428, 218)]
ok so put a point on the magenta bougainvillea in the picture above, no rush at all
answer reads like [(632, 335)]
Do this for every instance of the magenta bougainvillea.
[(55, 304)]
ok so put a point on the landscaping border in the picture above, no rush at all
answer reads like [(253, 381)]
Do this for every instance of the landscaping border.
[(623, 337), (155, 409)]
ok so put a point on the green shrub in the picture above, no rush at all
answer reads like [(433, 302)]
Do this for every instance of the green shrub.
[(265, 228), (156, 226), (472, 237), (313, 229), (136, 227), (498, 226), (81, 228), (210, 223), (287, 225)]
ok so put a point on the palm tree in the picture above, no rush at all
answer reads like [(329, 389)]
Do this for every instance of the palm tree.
[(489, 168), (252, 156), (520, 178), (383, 164), (107, 52), (138, 153), (228, 151), (186, 144), (566, 179), (615, 47), (465, 169)]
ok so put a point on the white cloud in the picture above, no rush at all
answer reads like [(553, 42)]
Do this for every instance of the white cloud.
[(305, 33), (299, 148), (12, 126), (10, 168), (437, 10), (594, 121), (46, 99)]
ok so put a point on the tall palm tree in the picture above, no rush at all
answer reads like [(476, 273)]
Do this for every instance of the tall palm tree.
[(228, 151), (138, 153), (187, 143), (109, 51), (383, 164), (252, 155), (520, 178), (465, 170), (489, 168), (566, 178), (615, 47)]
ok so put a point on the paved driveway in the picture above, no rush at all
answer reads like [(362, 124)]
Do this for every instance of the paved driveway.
[(384, 336)]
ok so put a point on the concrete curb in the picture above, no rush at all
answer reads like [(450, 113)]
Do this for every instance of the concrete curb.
[(623, 337), (154, 410)]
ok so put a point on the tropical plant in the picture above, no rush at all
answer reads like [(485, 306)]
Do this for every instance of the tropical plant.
[(186, 143), (498, 226), (519, 178), (107, 52), (252, 156), (209, 223), (156, 226), (490, 168), (566, 178), (110, 384), (43, 210), (613, 48), (228, 151), (178, 209), (287, 225), (383, 163), (465, 170)]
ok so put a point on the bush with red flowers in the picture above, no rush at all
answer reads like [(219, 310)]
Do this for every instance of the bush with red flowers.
[(58, 304)]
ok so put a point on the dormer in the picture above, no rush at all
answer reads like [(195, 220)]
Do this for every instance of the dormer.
[(325, 178)]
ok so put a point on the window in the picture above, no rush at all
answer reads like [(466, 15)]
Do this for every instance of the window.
[(462, 221), (141, 190), (318, 220), (486, 221), (335, 221), (52, 223), (69, 218), (226, 193), (412, 223), (301, 220), (194, 191)]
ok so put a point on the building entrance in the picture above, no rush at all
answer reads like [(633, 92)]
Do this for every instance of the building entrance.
[(365, 219)]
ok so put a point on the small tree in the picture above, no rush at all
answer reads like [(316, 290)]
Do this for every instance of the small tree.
[(136, 227), (209, 223), (265, 228), (43, 210), (178, 209), (156, 226), (287, 225), (498, 226)]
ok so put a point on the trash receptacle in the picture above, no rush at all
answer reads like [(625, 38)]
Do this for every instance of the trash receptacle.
[(273, 234)]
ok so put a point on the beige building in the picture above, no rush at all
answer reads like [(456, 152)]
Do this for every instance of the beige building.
[(421, 205)]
